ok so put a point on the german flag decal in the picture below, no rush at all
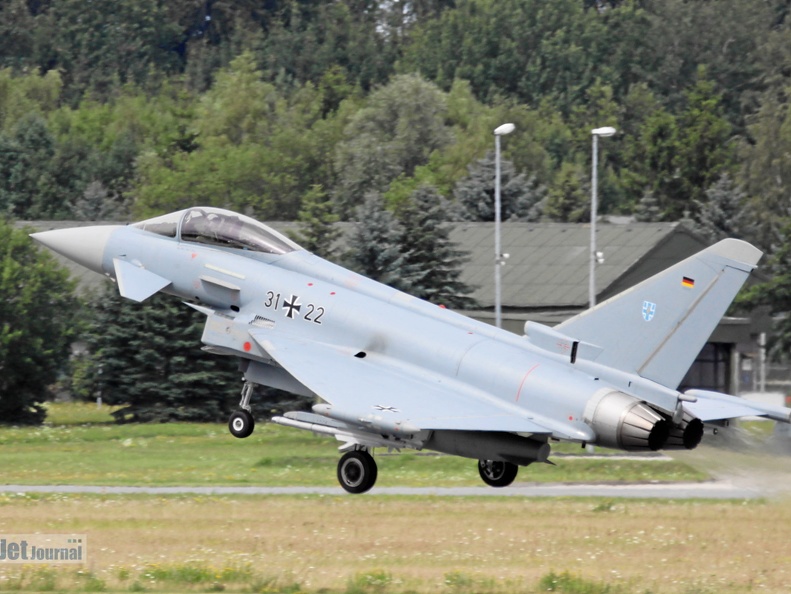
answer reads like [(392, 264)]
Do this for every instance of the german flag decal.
[(687, 282)]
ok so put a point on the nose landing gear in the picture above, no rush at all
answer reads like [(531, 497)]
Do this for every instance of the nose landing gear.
[(241, 423)]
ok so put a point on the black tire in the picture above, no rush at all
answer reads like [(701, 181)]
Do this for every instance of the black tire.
[(357, 471), (241, 423), (497, 474)]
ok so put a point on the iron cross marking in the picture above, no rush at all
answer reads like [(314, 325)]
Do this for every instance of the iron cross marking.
[(392, 409), (291, 306)]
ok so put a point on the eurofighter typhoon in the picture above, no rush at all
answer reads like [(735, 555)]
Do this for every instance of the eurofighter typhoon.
[(393, 371)]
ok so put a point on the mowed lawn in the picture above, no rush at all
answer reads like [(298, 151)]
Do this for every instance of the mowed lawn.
[(371, 544), (383, 545), (80, 446)]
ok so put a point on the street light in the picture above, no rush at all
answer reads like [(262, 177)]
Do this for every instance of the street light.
[(594, 257), (499, 259)]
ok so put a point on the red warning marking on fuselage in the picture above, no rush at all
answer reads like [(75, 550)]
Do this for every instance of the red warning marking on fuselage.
[(524, 379), (247, 346)]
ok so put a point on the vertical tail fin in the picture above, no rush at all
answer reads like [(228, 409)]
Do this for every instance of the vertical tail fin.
[(657, 328)]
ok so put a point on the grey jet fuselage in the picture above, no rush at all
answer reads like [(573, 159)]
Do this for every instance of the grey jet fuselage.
[(395, 371)]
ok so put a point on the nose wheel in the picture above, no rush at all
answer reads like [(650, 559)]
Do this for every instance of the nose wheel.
[(241, 423), (357, 471), (497, 474)]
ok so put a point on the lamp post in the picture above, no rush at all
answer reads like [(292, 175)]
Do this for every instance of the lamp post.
[(498, 256), (607, 131)]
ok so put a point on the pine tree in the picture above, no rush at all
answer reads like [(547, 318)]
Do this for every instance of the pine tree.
[(37, 316), (26, 185), (318, 232), (724, 213), (519, 196), (432, 263), (147, 357), (648, 210), (568, 200), (96, 204), (776, 293), (374, 245)]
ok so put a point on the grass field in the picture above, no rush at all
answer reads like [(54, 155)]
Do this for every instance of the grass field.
[(416, 544), (79, 446), (378, 545)]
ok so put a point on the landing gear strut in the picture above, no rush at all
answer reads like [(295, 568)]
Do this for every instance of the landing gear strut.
[(242, 423), (497, 474), (357, 471)]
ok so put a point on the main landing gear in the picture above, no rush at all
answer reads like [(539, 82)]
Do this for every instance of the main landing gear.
[(357, 471), (241, 422), (497, 474)]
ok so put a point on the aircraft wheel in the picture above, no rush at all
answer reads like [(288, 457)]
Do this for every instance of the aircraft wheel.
[(241, 423), (497, 474), (357, 471)]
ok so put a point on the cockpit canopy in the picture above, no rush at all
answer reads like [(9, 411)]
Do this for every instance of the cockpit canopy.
[(218, 227)]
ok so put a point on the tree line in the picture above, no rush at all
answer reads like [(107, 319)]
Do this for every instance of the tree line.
[(382, 112)]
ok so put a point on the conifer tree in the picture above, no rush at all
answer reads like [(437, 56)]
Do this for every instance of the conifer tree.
[(26, 184), (432, 262), (724, 213), (147, 357), (317, 232), (776, 292), (519, 196), (648, 210), (374, 245), (568, 200)]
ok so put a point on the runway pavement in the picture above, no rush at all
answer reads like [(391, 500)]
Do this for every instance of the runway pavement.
[(704, 490)]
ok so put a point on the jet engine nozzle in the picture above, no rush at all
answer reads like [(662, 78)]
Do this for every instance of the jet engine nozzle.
[(686, 435), (623, 421)]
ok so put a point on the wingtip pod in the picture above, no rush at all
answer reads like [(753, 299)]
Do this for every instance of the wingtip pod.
[(737, 250)]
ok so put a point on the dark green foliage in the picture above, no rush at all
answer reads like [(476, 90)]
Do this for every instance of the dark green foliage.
[(111, 44), (37, 316), (725, 212), (305, 40), (17, 34), (432, 263), (147, 106), (147, 357), (530, 50), (648, 210), (520, 197), (317, 232), (704, 153), (776, 293), (249, 105), (570, 198), (374, 245), (412, 252), (397, 131), (27, 186)]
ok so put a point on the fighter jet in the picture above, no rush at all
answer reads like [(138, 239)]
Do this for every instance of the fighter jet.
[(392, 371)]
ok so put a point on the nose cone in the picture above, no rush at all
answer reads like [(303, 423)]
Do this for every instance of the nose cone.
[(84, 245)]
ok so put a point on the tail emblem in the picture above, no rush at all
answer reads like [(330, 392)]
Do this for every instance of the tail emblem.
[(649, 309)]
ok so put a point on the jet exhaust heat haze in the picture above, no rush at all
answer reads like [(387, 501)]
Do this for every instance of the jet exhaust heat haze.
[(393, 371)]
